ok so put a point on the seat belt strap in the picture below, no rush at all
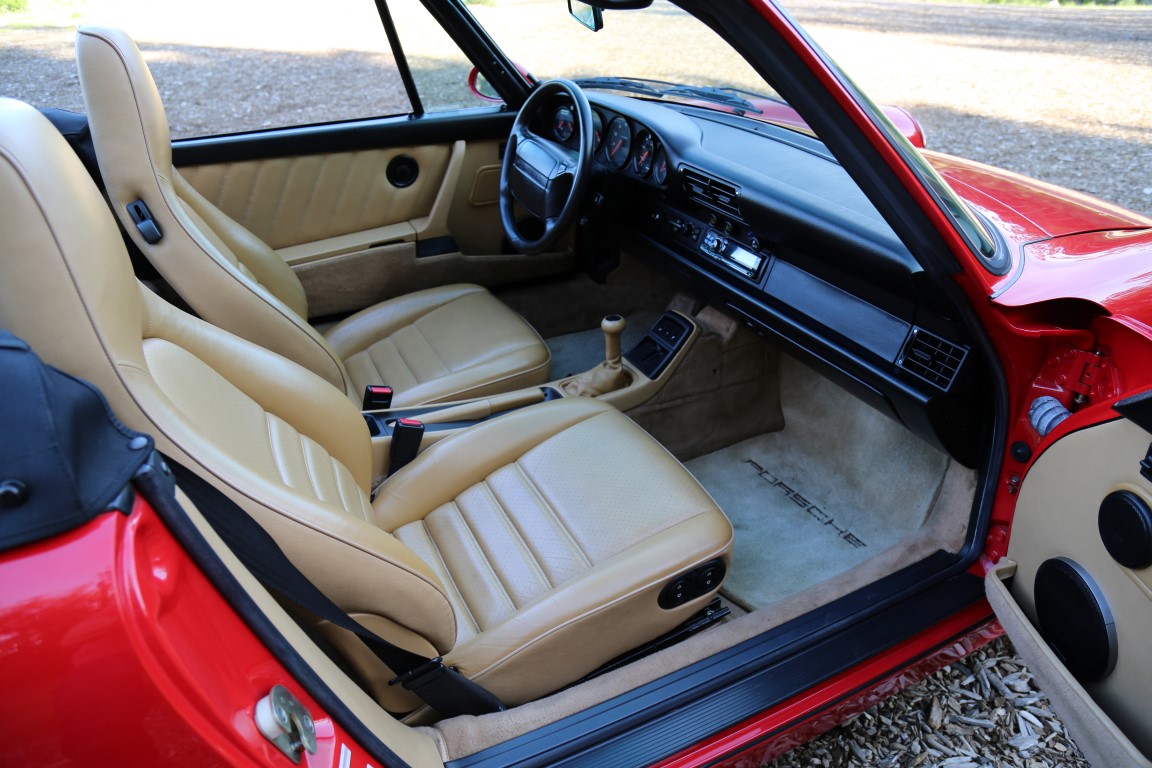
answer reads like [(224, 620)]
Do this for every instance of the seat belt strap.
[(439, 686)]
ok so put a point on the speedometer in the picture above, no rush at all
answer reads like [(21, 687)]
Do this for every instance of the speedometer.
[(618, 143)]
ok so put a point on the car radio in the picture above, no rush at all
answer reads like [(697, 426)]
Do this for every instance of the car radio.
[(716, 239), (731, 253)]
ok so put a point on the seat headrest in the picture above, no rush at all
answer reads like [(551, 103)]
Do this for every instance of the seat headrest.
[(119, 91), (66, 282)]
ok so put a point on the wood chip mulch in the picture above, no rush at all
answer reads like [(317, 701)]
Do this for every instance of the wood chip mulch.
[(982, 711)]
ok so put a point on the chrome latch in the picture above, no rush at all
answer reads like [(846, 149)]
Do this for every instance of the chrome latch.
[(286, 723)]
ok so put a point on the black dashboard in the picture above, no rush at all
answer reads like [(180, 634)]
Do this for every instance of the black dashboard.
[(762, 220)]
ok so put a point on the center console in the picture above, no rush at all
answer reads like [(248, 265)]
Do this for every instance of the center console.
[(646, 369)]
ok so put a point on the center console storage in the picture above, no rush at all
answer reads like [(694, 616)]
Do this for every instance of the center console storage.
[(655, 351)]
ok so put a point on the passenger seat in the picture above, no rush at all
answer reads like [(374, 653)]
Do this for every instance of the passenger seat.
[(528, 550), (446, 343)]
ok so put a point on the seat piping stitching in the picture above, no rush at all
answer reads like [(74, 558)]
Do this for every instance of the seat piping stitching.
[(340, 489), (523, 543), (277, 453), (415, 327), (451, 579), (471, 535), (547, 506), (309, 468)]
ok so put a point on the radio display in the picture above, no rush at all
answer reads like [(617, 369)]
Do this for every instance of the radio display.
[(747, 259)]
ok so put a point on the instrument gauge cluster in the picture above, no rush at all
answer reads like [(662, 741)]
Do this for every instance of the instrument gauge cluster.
[(633, 150), (563, 123), (563, 126), (620, 143), (660, 167), (645, 153)]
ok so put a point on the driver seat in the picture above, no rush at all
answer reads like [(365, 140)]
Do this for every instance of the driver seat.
[(435, 345)]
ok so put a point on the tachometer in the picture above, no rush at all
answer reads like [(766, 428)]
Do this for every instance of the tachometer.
[(618, 143), (563, 124), (597, 131), (645, 150)]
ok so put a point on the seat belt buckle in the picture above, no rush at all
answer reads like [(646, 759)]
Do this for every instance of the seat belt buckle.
[(377, 397), (406, 437)]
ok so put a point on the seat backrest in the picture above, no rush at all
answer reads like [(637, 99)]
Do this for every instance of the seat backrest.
[(273, 436), (227, 275)]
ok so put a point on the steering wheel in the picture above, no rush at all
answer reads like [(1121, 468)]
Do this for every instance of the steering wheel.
[(547, 179)]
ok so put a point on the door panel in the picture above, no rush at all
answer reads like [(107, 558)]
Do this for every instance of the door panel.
[(353, 237), (1057, 517), (288, 201), (1098, 737)]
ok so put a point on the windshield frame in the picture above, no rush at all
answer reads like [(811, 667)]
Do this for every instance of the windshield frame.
[(514, 83)]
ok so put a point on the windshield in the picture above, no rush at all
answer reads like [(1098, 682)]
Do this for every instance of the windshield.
[(663, 52), (661, 44)]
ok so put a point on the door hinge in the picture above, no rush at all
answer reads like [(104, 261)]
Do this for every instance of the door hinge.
[(1083, 384), (286, 723)]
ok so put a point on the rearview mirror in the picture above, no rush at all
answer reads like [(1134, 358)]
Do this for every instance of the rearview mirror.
[(591, 17), (619, 5)]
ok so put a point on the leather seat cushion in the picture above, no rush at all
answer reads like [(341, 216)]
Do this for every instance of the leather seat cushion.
[(553, 529), (441, 344)]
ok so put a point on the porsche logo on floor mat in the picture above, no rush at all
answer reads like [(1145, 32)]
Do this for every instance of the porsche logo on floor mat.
[(815, 512)]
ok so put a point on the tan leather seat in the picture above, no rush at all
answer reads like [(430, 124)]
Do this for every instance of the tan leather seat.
[(432, 346), (527, 550)]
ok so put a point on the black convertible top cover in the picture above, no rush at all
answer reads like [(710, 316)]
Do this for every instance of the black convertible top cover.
[(64, 457)]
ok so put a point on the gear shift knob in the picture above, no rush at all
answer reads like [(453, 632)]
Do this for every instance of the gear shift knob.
[(609, 375), (613, 326)]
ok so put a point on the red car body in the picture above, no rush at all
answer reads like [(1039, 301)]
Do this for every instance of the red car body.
[(116, 649)]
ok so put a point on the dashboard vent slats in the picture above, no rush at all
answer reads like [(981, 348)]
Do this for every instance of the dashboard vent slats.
[(715, 193), (932, 358)]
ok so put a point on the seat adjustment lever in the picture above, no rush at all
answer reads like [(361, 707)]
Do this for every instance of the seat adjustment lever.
[(142, 218)]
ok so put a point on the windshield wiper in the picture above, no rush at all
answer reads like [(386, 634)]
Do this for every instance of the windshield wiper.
[(727, 97), (629, 84), (723, 96)]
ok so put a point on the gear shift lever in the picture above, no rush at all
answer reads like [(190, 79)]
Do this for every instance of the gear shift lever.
[(607, 377), (613, 326)]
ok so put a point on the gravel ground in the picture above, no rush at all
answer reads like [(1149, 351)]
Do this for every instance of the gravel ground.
[(982, 711), (1056, 93)]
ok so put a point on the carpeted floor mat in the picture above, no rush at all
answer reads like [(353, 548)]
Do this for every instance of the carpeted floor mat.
[(575, 353), (839, 484)]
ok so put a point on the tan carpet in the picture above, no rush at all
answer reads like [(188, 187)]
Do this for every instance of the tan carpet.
[(839, 484)]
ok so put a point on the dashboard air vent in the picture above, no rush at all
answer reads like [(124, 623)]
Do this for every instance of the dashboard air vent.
[(715, 193), (932, 358)]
